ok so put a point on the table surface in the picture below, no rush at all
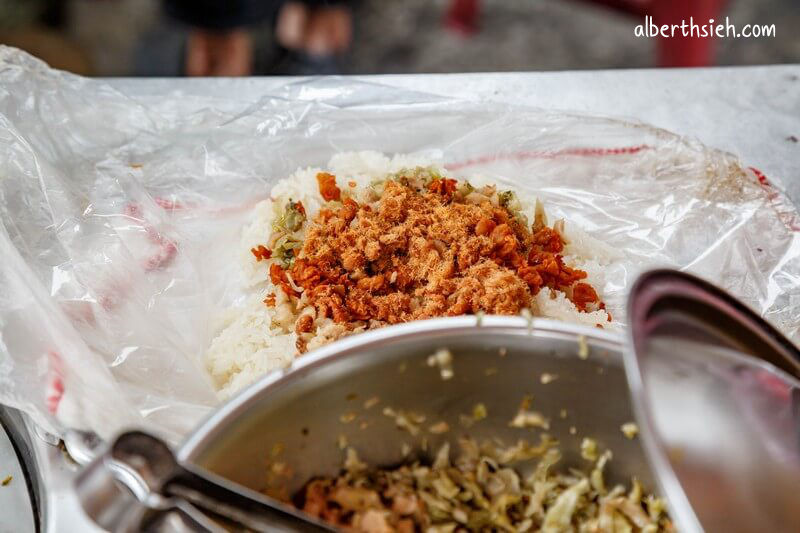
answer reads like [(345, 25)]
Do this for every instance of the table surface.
[(753, 112), (15, 502)]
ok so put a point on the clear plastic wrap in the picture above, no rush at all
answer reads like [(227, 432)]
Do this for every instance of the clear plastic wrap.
[(120, 219)]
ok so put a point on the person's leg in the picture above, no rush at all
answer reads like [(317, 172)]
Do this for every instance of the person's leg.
[(313, 37), (161, 51)]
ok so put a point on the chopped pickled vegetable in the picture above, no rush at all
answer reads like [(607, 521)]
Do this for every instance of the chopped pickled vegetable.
[(546, 378), (407, 420), (371, 402), (479, 491), (525, 418), (439, 428), (443, 359), (589, 449), (630, 430), (583, 347)]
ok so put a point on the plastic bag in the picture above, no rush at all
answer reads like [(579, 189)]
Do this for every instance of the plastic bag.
[(121, 219)]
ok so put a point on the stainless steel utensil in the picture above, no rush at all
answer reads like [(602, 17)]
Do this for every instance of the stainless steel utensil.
[(137, 485), (290, 424), (716, 396), (288, 427)]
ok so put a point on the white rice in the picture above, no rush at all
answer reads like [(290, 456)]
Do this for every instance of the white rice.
[(255, 339)]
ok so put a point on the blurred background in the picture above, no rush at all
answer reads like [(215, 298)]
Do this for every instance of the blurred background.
[(263, 37)]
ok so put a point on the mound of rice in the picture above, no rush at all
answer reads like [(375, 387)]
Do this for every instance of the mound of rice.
[(255, 339)]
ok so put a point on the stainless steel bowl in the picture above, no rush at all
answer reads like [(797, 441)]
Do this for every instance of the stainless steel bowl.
[(283, 430)]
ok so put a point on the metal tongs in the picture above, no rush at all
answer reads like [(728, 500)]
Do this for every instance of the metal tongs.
[(138, 485)]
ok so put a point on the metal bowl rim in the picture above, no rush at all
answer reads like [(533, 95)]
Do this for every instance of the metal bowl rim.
[(209, 430)]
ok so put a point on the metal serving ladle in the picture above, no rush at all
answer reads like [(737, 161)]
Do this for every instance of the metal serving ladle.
[(138, 485), (714, 387)]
